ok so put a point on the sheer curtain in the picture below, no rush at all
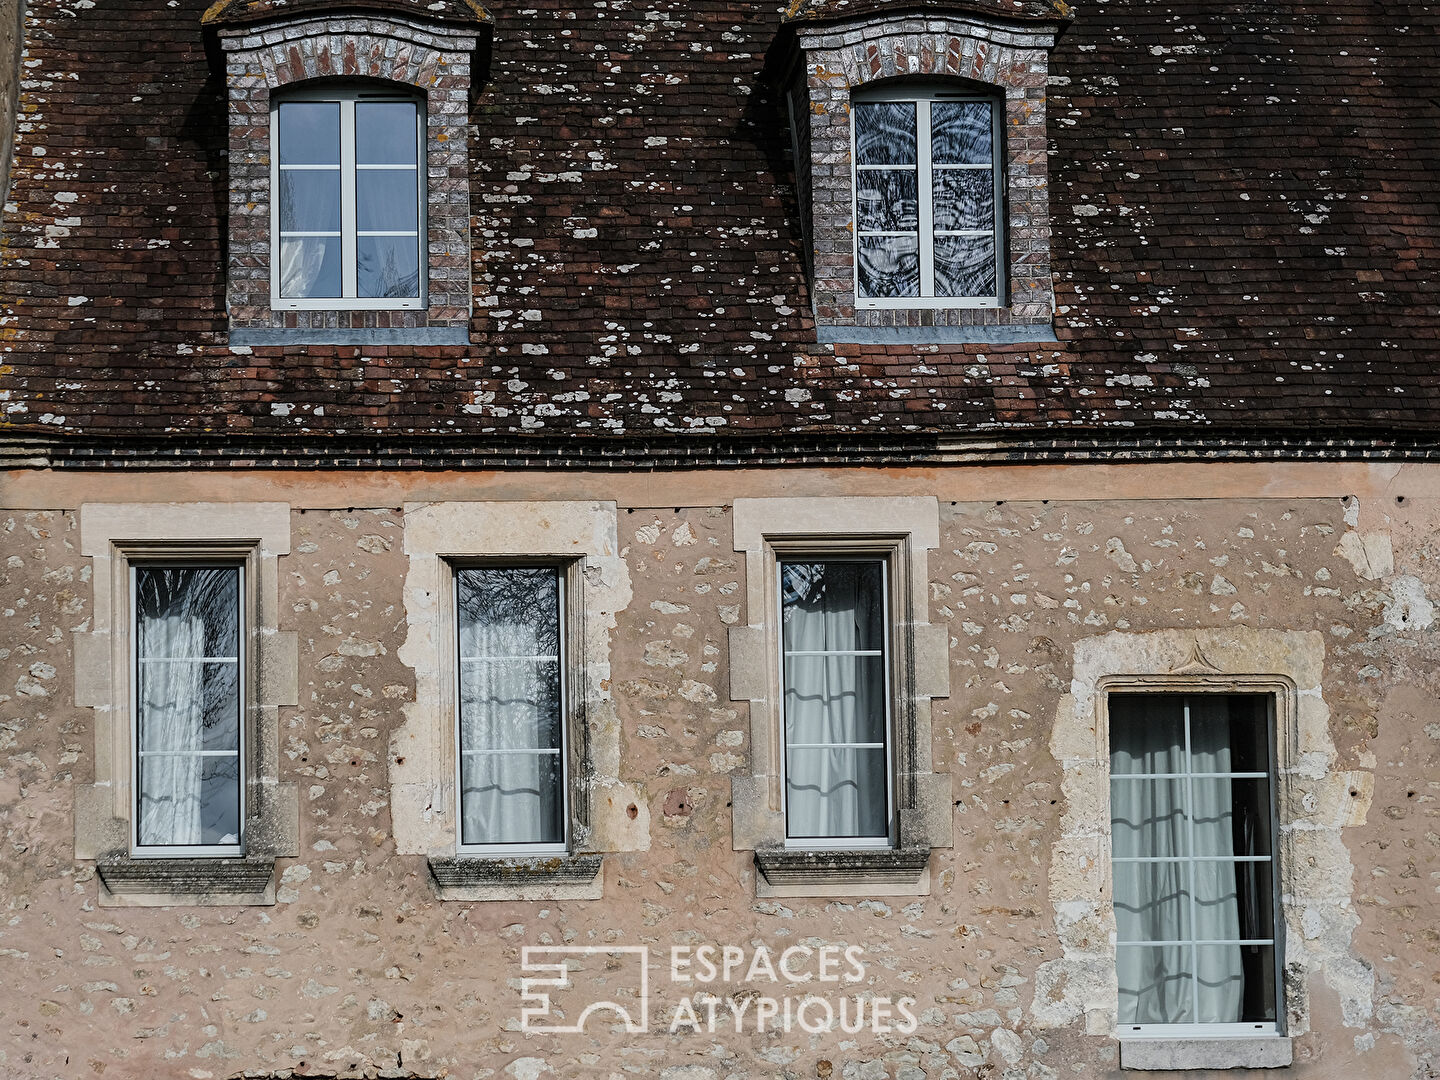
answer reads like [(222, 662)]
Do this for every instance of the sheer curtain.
[(172, 721), (834, 791), (1175, 817), (511, 772)]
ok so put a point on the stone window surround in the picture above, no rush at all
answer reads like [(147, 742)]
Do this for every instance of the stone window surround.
[(986, 55), (1314, 802), (606, 813), (903, 531), (433, 59), (115, 535)]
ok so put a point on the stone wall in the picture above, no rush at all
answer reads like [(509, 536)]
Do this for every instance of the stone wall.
[(359, 969)]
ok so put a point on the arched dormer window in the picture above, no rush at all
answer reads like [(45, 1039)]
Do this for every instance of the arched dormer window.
[(929, 196), (348, 173), (349, 168)]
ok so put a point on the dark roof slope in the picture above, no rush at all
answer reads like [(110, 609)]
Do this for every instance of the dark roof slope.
[(1245, 233)]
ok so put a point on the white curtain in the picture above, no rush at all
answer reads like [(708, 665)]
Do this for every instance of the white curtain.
[(508, 702), (172, 720), (305, 206), (301, 258), (833, 793), (1185, 900)]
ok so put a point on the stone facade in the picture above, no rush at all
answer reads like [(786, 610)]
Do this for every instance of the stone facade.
[(1046, 581)]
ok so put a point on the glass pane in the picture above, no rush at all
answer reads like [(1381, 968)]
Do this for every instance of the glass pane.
[(160, 728), (889, 265), (309, 267), (1257, 964), (1147, 733), (510, 698), (836, 793), (835, 605), (387, 266), (1249, 722), (1156, 984), (512, 799), (964, 199), (189, 800), (965, 266), (960, 132), (885, 133), (385, 133), (1221, 985), (835, 699), (309, 200), (309, 133), (386, 200), (1147, 818), (1232, 817), (1255, 889), (885, 200), (1152, 901)]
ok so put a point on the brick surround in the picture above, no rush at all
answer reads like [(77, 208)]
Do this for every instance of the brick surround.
[(838, 60), (437, 61)]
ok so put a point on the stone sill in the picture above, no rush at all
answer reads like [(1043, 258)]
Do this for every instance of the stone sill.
[(559, 877), (1011, 334), (419, 335), (130, 882), (1244, 1052), (851, 872)]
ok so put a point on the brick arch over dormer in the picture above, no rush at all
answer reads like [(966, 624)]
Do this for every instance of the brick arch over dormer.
[(822, 56), (268, 46)]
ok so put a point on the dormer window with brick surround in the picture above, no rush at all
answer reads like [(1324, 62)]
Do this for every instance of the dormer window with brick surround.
[(919, 142), (349, 168)]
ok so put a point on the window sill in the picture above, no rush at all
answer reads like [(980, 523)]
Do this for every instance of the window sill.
[(850, 872), (128, 882), (558, 877), (1010, 334), (400, 335), (1176, 1054)]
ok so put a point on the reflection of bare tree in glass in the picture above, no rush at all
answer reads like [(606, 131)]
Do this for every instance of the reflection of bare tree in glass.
[(383, 270), (211, 595), (510, 708)]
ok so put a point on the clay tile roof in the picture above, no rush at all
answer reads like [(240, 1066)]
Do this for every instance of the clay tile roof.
[(227, 13)]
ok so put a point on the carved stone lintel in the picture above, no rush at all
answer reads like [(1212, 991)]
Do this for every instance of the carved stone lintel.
[(1196, 662), (858, 867)]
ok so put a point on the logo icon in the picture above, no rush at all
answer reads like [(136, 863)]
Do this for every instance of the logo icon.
[(548, 969)]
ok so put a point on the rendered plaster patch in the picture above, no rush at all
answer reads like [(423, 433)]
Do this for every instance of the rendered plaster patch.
[(1316, 801), (609, 814)]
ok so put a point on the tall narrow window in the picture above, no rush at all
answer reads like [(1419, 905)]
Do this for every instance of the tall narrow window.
[(835, 664), (512, 709), (188, 707), (927, 199), (349, 200), (1191, 796)]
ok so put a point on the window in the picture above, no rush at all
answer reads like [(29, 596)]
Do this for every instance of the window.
[(349, 200), (1192, 830), (927, 199), (512, 693), (834, 665), (189, 694)]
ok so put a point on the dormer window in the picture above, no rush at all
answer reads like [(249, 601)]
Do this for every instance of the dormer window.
[(349, 200), (927, 199)]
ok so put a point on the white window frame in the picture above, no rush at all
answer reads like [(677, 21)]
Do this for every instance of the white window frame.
[(185, 851), (921, 95), (1252, 1029), (346, 96), (514, 850), (838, 843)]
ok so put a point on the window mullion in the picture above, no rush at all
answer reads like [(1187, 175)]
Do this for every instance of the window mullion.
[(348, 287), (924, 192), (1190, 837)]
